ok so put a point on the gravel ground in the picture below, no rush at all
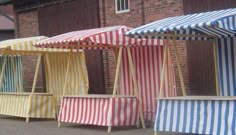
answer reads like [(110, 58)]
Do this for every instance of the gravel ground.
[(17, 126)]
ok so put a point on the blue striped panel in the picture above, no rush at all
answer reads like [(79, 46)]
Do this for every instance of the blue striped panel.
[(226, 63), (8, 84), (197, 116), (216, 23)]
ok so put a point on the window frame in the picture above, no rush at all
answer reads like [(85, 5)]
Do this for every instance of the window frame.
[(121, 11)]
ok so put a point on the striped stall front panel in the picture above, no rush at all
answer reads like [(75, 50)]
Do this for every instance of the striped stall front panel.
[(8, 84), (99, 111), (148, 62), (14, 105), (226, 63), (216, 117), (42, 106), (123, 112)]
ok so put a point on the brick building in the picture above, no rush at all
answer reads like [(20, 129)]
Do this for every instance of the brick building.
[(52, 17), (7, 22)]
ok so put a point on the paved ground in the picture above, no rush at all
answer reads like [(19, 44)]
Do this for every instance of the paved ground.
[(17, 126)]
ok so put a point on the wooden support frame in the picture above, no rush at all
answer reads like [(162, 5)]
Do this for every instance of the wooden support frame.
[(33, 87), (136, 89), (3, 69), (48, 66), (179, 67), (117, 71), (14, 73), (169, 61), (81, 69), (163, 71), (66, 78), (214, 40)]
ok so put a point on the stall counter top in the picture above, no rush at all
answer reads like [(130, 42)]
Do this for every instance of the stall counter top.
[(199, 98), (98, 96)]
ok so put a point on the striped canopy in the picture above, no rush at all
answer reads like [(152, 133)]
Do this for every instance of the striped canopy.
[(96, 38), (25, 45), (219, 24)]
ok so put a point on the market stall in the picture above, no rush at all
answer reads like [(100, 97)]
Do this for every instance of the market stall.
[(125, 106), (14, 100), (199, 114)]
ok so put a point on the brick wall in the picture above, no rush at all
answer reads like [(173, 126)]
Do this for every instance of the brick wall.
[(27, 26), (141, 12)]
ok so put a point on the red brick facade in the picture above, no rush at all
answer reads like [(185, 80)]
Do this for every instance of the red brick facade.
[(141, 12), (27, 26)]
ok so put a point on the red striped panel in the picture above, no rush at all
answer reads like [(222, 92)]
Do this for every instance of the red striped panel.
[(148, 61), (122, 111)]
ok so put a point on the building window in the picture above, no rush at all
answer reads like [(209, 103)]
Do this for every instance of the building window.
[(122, 6)]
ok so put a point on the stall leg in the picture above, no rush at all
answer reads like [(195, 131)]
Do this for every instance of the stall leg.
[(155, 132), (109, 129), (27, 120), (59, 124)]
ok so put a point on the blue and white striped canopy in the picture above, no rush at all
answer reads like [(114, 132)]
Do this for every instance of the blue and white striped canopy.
[(219, 24)]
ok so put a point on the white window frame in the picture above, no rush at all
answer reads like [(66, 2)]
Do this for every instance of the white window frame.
[(122, 11)]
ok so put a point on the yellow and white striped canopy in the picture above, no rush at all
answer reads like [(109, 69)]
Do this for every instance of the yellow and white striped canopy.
[(25, 46)]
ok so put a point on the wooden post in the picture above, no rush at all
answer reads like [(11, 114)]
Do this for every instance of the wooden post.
[(170, 81), (14, 73), (82, 72), (117, 71), (216, 66), (109, 129), (33, 87), (136, 90), (163, 71), (49, 81), (3, 69), (67, 72), (179, 67), (36, 73)]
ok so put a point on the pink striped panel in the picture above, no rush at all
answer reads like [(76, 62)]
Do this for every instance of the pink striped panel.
[(122, 111), (107, 36), (148, 61)]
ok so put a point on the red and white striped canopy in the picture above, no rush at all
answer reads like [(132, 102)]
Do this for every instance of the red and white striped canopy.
[(96, 38)]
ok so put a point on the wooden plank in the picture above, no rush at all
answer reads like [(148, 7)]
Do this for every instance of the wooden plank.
[(136, 89), (163, 72), (216, 66), (117, 71), (3, 69), (14, 74), (36, 73), (67, 73), (179, 68)]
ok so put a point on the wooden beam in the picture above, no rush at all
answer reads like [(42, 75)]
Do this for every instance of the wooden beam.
[(3, 69), (179, 68), (163, 72), (117, 71), (136, 89), (36, 73), (14, 73), (82, 72), (216, 66), (67, 73)]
